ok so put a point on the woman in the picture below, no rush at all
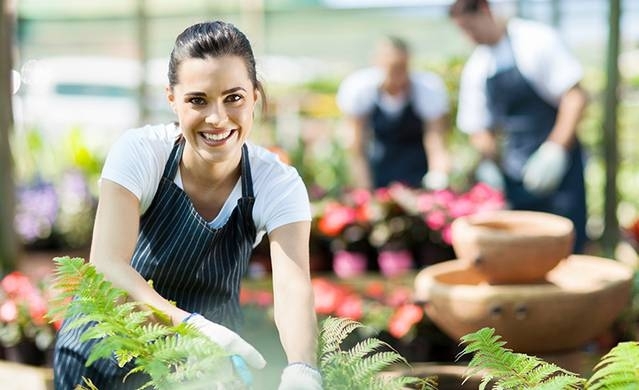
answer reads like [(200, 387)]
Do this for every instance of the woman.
[(184, 204), (399, 121), (521, 84)]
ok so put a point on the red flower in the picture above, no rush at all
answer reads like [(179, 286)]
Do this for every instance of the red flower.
[(327, 296), (351, 307), (336, 217), (375, 290), (404, 318)]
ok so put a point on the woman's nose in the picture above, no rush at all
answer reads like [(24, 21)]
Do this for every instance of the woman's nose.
[(216, 114)]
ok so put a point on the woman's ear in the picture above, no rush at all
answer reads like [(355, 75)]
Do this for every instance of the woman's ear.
[(170, 97)]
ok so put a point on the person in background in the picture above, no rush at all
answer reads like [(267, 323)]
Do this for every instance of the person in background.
[(520, 101), (399, 121), (184, 204)]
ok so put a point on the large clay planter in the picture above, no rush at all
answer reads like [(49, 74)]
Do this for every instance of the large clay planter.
[(578, 301), (510, 247), (449, 376)]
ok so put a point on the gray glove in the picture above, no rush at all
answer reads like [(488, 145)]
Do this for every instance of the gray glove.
[(228, 340), (545, 168), (300, 376), (435, 180), (489, 173)]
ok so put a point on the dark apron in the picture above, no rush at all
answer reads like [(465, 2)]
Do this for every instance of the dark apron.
[(396, 149), (526, 121), (190, 263)]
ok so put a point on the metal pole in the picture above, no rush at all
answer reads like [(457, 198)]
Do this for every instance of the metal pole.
[(610, 236), (143, 56), (556, 13), (8, 246)]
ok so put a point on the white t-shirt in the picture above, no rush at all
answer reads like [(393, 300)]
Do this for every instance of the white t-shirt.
[(358, 93), (137, 160), (541, 57)]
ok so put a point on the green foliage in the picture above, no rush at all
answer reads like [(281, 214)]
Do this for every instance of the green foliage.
[(172, 356), (618, 369), (359, 367), (511, 370)]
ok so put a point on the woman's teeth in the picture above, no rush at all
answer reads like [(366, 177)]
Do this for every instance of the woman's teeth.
[(218, 136)]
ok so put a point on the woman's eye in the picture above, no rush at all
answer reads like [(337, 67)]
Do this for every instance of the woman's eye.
[(233, 98), (198, 101)]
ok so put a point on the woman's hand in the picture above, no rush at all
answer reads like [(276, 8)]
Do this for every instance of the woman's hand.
[(230, 341), (300, 376)]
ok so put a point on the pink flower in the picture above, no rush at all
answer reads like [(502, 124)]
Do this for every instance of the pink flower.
[(436, 219), (464, 205), (8, 311), (404, 318), (447, 234), (347, 264), (17, 284), (399, 296), (395, 262)]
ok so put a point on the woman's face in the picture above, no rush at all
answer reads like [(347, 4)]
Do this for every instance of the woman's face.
[(214, 100)]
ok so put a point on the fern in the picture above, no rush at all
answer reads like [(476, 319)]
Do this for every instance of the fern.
[(618, 369), (360, 367), (511, 370), (172, 356)]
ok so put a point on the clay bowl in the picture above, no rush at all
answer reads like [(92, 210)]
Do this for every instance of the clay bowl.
[(579, 300), (510, 247)]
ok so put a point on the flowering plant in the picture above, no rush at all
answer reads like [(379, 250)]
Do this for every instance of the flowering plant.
[(56, 213), (375, 304), (395, 222), (23, 308)]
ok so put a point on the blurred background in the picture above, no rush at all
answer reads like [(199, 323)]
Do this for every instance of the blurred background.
[(83, 72)]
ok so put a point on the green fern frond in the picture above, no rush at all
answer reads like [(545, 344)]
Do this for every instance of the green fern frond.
[(170, 355), (334, 331), (512, 370), (618, 369), (360, 367)]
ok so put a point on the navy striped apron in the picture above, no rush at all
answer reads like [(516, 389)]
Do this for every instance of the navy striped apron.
[(526, 121), (396, 151), (190, 263)]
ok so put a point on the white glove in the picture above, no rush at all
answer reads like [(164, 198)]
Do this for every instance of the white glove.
[(489, 173), (300, 376), (545, 168), (435, 180), (228, 340)]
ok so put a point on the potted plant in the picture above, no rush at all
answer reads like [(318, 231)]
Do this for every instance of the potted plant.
[(25, 333)]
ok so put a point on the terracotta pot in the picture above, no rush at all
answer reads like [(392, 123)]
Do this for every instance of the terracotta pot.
[(449, 376), (510, 247), (578, 301)]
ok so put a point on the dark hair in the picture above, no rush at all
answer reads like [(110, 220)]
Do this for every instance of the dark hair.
[(460, 7), (213, 39), (397, 43)]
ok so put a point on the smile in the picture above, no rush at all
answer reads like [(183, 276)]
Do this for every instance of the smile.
[(218, 137)]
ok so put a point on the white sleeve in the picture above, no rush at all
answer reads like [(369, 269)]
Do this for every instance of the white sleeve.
[(430, 95), (137, 165), (280, 194), (544, 60), (472, 112), (357, 93)]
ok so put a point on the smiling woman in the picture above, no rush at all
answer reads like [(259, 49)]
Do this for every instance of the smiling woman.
[(184, 204)]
